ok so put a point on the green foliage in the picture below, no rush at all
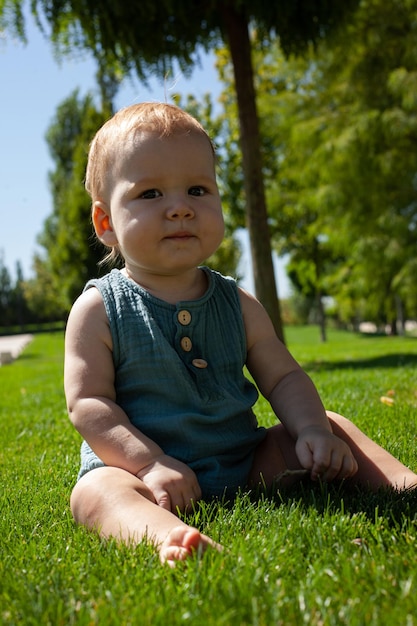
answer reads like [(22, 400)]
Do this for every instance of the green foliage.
[(6, 294), (316, 555), (338, 129), (14, 307), (338, 133), (71, 252), (349, 163), (178, 30)]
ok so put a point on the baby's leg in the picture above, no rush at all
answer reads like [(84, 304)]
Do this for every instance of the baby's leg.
[(275, 459), (376, 466), (117, 504)]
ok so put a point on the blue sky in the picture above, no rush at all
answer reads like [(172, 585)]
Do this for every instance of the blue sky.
[(33, 84)]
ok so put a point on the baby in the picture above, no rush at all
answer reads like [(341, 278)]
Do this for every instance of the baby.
[(155, 354)]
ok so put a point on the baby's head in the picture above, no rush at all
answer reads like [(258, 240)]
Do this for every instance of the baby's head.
[(116, 137)]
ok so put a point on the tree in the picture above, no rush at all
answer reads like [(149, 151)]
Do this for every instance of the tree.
[(294, 217), (342, 193), (71, 254), (359, 155), (13, 305), (6, 294), (146, 36), (22, 313)]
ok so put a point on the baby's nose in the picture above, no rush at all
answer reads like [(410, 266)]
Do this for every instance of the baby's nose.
[(180, 210)]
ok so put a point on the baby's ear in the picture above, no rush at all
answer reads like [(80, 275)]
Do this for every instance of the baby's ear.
[(102, 223)]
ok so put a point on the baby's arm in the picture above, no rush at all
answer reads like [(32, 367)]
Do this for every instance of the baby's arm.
[(293, 397), (91, 400)]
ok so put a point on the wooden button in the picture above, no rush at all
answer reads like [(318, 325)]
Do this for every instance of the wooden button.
[(186, 344), (184, 317), (200, 363)]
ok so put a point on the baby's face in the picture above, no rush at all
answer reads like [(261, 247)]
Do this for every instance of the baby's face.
[(165, 205)]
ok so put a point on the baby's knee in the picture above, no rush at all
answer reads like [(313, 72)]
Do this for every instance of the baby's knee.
[(86, 499), (94, 492), (101, 491)]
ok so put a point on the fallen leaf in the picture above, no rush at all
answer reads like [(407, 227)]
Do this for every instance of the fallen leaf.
[(386, 400)]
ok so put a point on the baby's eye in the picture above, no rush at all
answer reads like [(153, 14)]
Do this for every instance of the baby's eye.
[(196, 191), (150, 194)]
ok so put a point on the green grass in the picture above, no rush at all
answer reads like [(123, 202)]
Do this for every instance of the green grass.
[(315, 556)]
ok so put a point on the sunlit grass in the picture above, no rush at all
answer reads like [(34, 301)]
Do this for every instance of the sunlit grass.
[(321, 555)]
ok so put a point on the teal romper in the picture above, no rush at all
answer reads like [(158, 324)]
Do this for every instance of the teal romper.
[(179, 378)]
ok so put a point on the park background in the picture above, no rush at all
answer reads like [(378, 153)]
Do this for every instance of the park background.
[(37, 82), (339, 125)]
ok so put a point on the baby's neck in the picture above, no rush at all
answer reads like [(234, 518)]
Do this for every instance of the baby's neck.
[(190, 285)]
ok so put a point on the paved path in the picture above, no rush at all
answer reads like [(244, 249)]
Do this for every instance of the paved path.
[(12, 346)]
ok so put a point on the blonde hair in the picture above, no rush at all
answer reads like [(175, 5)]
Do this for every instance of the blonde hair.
[(163, 119)]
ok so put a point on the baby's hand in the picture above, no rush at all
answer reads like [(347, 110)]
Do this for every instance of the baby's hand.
[(173, 484), (324, 454)]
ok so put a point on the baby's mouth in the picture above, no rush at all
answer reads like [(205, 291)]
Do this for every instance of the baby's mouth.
[(183, 234)]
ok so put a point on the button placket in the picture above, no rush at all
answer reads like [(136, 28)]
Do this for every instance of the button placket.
[(184, 318)]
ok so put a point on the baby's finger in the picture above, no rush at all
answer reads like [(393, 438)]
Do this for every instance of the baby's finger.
[(349, 467), (321, 465), (304, 454), (341, 467), (333, 471), (191, 498), (163, 500)]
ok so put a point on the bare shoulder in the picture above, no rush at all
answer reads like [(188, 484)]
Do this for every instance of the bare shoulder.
[(88, 369), (88, 337), (89, 300), (88, 318), (257, 322)]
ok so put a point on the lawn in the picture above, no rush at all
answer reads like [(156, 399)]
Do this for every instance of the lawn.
[(316, 555)]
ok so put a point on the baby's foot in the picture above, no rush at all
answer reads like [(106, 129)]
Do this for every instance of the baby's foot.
[(182, 542)]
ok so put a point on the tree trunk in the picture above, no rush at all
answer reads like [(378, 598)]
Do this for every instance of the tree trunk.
[(237, 33), (400, 315)]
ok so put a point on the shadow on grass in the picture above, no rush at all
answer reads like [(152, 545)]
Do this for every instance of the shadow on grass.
[(387, 360), (395, 507), (392, 505)]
